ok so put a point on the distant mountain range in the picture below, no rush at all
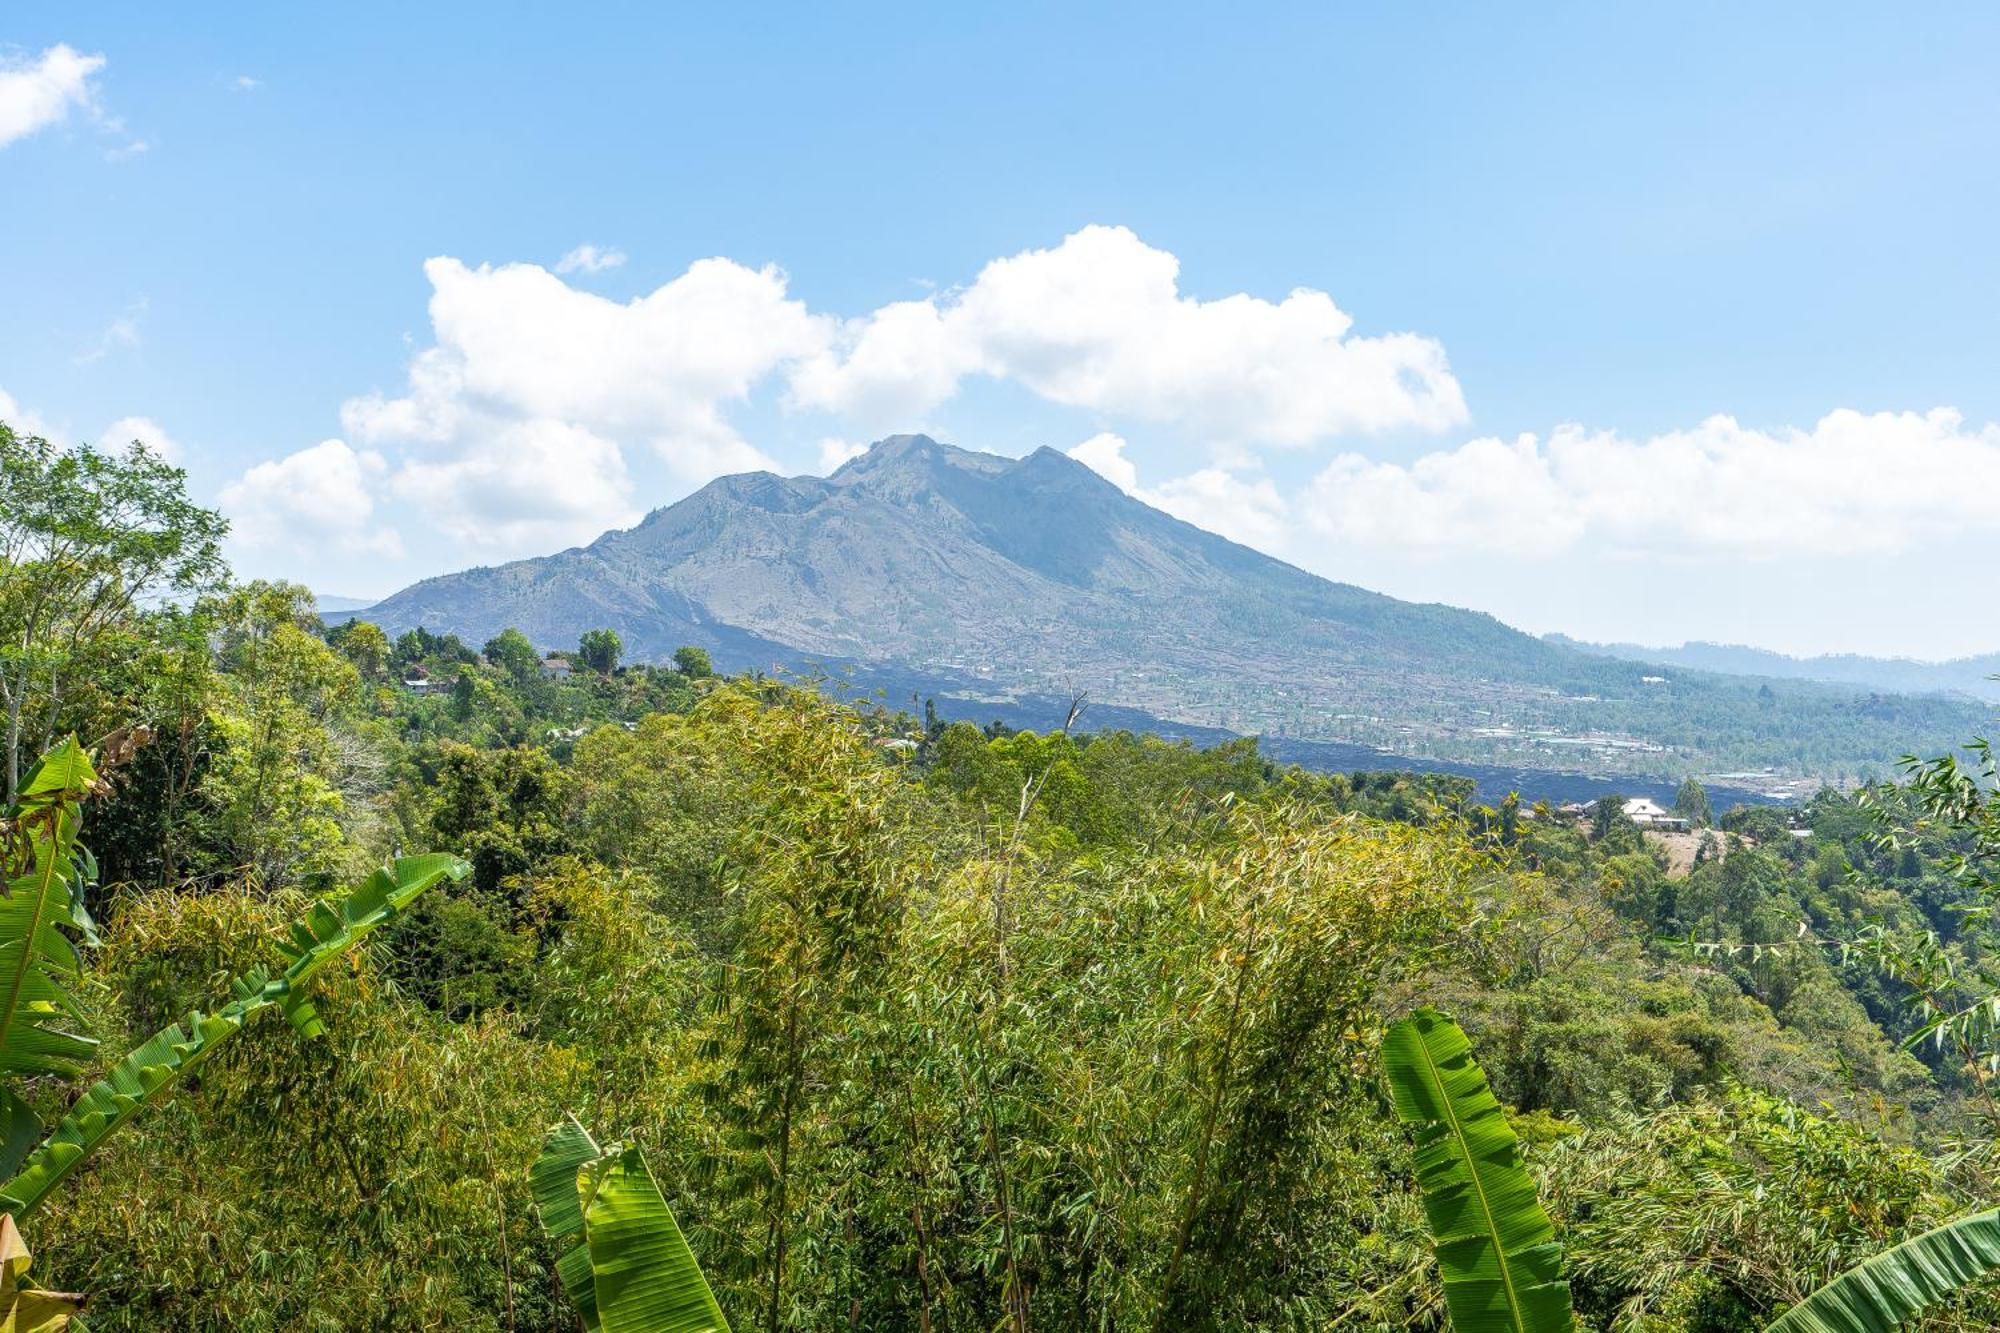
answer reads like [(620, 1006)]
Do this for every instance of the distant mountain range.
[(989, 579), (331, 602), (1975, 676)]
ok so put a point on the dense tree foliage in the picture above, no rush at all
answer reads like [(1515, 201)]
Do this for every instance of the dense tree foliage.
[(86, 538), (600, 649), (952, 1028), (693, 662)]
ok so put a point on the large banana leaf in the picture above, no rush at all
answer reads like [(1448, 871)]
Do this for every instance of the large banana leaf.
[(632, 1270), (1883, 1292), (26, 1309), (1496, 1250), (44, 877), (326, 933), (38, 961), (20, 1131), (553, 1178), (647, 1279)]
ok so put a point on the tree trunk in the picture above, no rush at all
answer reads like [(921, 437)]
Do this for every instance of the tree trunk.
[(13, 744)]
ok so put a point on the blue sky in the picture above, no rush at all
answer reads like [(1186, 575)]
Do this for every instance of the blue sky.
[(1595, 227)]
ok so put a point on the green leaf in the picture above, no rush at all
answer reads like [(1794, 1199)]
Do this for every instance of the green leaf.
[(553, 1178), (327, 932), (20, 1130), (26, 1309), (1896, 1285), (63, 773), (44, 885), (631, 1270), (1496, 1250), (646, 1278)]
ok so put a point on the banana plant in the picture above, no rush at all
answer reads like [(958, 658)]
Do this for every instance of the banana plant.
[(627, 1267), (1496, 1250), (46, 872), (40, 917), (1885, 1291), (328, 932)]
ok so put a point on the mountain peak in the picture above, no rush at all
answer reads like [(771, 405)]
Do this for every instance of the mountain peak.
[(894, 451), (1047, 465), (919, 457), (909, 465)]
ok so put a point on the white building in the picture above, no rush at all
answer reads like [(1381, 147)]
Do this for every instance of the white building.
[(1650, 814)]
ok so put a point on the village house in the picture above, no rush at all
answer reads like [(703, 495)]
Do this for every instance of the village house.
[(1653, 817), (555, 668)]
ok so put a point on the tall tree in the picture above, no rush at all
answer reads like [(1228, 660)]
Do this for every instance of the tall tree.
[(363, 643), (693, 662), (1607, 814), (511, 651), (600, 650), (86, 538), (273, 782), (1691, 804)]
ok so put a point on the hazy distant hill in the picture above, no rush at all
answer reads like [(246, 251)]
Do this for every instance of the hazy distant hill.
[(1966, 675), (1037, 575)]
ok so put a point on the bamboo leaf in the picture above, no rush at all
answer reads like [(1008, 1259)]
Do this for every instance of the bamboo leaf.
[(1883, 1292), (1496, 1251)]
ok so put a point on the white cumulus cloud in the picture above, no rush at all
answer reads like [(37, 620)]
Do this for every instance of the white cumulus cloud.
[(517, 344), (38, 92), (520, 357), (316, 500), (537, 485), (113, 439), (513, 424), (1244, 509), (590, 259), (145, 430), (1099, 322), (1249, 510), (22, 421), (1854, 482), (1104, 454), (833, 452)]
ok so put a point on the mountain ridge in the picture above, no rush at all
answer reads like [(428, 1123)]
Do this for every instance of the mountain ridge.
[(1973, 675), (718, 542), (1036, 574)]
